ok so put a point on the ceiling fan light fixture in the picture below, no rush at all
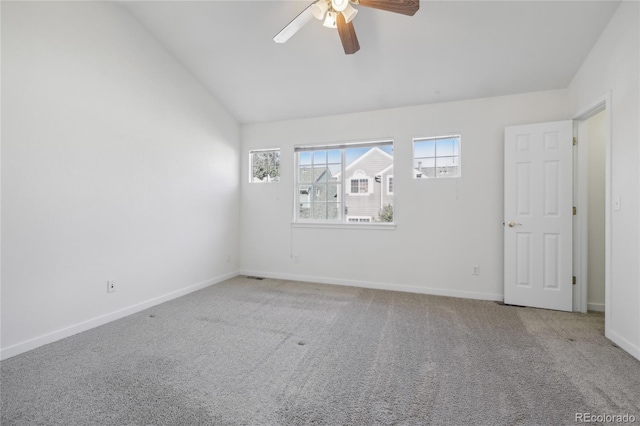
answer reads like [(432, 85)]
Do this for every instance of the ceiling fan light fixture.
[(319, 8), (349, 13), (330, 21), (339, 5)]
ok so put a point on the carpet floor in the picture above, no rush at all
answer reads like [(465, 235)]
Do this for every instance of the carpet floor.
[(272, 352)]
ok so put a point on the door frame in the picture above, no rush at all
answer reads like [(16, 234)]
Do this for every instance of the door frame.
[(580, 193)]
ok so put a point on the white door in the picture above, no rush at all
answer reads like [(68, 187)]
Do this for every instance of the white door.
[(538, 215)]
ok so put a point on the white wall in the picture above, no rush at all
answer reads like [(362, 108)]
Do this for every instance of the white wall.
[(596, 210), (444, 226), (116, 165), (613, 66)]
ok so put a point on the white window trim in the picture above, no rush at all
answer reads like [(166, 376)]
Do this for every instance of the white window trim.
[(253, 151)]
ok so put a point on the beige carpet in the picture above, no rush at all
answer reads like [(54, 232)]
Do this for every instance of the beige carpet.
[(249, 352)]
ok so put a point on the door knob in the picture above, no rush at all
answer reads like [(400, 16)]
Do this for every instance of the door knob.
[(512, 224)]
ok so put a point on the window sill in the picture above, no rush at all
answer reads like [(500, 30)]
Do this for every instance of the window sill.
[(339, 225)]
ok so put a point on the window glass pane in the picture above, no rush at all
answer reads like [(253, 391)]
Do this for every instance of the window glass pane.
[(304, 158), (353, 154), (320, 173), (265, 166), (333, 211), (444, 147), (447, 166), (354, 186), (424, 149), (305, 174), (335, 156), (304, 211), (304, 193), (319, 210), (319, 193), (319, 157), (333, 192)]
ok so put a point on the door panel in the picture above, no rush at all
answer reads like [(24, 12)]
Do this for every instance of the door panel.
[(538, 215)]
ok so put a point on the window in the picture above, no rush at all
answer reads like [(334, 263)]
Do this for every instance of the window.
[(335, 183), (265, 165), (389, 184), (358, 219), (359, 184), (437, 157)]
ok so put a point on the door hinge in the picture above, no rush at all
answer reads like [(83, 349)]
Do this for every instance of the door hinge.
[(574, 280), (575, 211), (575, 141)]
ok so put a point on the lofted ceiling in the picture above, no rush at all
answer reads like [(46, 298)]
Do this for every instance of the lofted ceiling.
[(450, 50)]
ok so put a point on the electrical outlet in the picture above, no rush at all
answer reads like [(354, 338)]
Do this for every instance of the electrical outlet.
[(111, 286), (475, 270), (296, 258), (228, 257)]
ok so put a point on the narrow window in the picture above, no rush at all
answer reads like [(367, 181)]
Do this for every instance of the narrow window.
[(436, 157), (265, 165), (344, 183)]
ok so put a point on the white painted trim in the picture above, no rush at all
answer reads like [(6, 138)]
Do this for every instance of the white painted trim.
[(54, 336), (595, 307), (624, 343), (377, 285), (603, 102), (386, 226)]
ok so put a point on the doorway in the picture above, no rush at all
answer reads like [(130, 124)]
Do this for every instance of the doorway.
[(592, 199)]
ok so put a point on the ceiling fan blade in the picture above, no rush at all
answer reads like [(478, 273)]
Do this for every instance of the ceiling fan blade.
[(405, 7), (294, 26), (347, 35)]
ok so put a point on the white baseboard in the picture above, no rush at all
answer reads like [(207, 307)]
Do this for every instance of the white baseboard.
[(623, 343), (36, 342), (595, 307), (378, 286)]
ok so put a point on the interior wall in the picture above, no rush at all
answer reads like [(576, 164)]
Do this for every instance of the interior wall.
[(612, 67), (116, 165), (444, 226), (595, 214)]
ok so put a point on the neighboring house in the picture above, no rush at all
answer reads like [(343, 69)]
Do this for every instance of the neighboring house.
[(368, 185), (318, 188)]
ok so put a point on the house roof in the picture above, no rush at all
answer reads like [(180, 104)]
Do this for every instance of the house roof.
[(363, 157)]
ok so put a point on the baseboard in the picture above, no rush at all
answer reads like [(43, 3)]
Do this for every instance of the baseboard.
[(595, 307), (378, 286), (623, 343), (103, 319)]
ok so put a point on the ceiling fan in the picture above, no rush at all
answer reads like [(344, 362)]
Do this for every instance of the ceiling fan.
[(339, 14)]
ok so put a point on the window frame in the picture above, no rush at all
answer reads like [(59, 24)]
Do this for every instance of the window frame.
[(344, 184), (435, 139), (263, 150)]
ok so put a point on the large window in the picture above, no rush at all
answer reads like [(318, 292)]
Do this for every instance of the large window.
[(344, 183), (437, 157), (265, 165)]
